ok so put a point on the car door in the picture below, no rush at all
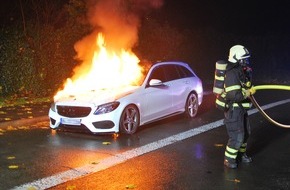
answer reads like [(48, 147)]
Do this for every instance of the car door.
[(179, 87), (158, 98)]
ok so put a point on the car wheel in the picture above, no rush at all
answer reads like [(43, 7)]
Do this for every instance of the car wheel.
[(130, 120), (191, 105)]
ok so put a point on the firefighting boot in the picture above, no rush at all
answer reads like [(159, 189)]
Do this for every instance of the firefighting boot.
[(243, 157), (230, 163)]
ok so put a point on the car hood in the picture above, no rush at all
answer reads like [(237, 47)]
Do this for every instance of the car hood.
[(97, 96)]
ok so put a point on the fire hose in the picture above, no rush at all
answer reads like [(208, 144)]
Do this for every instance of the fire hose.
[(269, 87)]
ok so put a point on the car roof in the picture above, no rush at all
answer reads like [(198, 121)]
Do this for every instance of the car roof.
[(170, 63)]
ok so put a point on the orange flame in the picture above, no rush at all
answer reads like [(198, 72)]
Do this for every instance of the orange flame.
[(109, 70)]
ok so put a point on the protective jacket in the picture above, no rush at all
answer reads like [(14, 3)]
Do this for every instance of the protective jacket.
[(233, 88)]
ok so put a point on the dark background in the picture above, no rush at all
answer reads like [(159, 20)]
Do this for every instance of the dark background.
[(216, 25), (238, 17)]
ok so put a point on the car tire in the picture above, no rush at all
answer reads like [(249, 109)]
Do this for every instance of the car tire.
[(191, 105), (129, 120)]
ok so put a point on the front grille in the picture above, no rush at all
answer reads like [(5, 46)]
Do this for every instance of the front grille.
[(73, 111)]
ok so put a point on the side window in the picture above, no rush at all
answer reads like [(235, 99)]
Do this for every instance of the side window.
[(184, 72), (158, 73), (171, 72)]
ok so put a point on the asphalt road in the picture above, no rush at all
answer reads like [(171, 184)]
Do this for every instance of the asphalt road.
[(175, 153)]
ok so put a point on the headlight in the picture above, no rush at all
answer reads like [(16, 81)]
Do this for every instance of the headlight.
[(106, 108), (52, 107)]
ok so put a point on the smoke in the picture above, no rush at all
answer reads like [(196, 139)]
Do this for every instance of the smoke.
[(118, 20)]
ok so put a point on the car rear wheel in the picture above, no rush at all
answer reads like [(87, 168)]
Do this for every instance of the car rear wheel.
[(130, 120), (191, 106)]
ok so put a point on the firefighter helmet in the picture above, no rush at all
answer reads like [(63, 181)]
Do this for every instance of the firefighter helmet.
[(238, 53)]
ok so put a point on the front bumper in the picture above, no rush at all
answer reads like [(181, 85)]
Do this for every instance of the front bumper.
[(104, 123)]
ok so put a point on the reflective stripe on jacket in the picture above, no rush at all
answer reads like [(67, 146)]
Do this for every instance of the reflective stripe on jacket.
[(222, 103)]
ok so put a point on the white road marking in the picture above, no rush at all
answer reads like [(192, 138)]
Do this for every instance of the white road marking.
[(106, 163)]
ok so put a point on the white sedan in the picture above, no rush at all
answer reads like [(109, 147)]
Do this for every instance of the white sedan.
[(169, 88)]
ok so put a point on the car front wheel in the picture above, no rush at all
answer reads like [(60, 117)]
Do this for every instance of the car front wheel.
[(130, 120), (191, 105)]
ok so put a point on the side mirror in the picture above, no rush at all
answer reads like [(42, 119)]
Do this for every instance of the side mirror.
[(155, 82)]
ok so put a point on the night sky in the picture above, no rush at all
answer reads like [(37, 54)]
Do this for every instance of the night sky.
[(241, 17)]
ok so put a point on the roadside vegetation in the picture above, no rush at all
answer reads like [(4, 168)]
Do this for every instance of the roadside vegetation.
[(37, 48)]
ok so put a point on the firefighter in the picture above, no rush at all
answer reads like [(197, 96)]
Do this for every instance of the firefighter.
[(237, 88)]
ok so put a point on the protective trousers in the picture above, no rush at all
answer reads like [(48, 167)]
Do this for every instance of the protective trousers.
[(238, 129)]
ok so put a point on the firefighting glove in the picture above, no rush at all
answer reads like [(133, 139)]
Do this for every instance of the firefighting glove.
[(252, 90), (248, 92)]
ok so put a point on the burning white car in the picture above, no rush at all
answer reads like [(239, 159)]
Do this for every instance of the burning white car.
[(168, 88)]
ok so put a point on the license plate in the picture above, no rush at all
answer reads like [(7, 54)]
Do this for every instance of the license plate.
[(69, 121)]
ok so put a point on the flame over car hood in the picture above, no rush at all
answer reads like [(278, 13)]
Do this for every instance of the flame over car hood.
[(97, 96)]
